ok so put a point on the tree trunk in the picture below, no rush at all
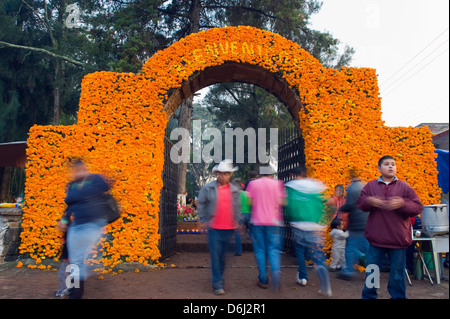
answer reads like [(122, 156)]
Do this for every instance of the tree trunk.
[(184, 121), (185, 116), (194, 16), (57, 95)]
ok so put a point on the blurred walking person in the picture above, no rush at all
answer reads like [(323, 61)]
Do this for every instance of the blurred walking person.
[(245, 217), (305, 204), (63, 290), (219, 211), (86, 221), (335, 202), (267, 196), (357, 245)]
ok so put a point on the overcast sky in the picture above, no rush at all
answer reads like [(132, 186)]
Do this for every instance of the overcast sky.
[(407, 42)]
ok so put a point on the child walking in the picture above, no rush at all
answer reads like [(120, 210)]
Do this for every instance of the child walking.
[(339, 236)]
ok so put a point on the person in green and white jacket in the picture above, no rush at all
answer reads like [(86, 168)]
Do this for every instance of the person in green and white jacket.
[(304, 211)]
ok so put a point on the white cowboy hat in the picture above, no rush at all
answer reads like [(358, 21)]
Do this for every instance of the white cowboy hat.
[(225, 166)]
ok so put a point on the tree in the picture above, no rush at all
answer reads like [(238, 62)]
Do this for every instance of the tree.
[(242, 105), (23, 76), (120, 35), (48, 46), (200, 173), (42, 63)]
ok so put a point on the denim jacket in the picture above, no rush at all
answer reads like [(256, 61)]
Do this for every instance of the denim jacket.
[(207, 200)]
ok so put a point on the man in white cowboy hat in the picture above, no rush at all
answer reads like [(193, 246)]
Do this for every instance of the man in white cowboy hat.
[(219, 210)]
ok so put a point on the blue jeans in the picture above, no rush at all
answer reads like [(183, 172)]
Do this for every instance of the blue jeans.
[(310, 241), (238, 243), (355, 247), (218, 243), (81, 239), (266, 245), (238, 236), (397, 284), (305, 242)]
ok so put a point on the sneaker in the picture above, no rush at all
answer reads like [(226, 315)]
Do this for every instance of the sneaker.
[(326, 293), (219, 292), (302, 281), (331, 269), (324, 281), (62, 293), (344, 276), (363, 261), (262, 285)]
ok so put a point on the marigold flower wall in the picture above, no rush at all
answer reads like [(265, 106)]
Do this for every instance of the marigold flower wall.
[(121, 127)]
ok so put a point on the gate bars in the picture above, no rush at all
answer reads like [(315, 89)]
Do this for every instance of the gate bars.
[(291, 154)]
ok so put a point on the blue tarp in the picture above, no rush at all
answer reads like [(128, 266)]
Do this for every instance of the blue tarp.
[(442, 167)]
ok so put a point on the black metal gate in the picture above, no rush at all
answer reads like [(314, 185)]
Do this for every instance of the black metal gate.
[(291, 154), (168, 205)]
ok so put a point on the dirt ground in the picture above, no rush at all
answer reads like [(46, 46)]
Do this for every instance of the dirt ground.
[(188, 275)]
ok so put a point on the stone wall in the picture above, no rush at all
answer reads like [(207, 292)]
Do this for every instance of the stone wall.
[(10, 220)]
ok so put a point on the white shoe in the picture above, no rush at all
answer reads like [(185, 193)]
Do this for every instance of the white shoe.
[(219, 292), (301, 282), (326, 293)]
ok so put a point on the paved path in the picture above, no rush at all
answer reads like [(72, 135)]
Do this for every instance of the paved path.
[(189, 278)]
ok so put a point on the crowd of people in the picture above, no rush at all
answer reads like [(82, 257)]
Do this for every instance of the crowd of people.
[(373, 222)]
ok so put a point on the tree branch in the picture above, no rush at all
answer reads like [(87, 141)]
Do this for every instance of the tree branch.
[(231, 93), (268, 15), (64, 58), (47, 23), (44, 22)]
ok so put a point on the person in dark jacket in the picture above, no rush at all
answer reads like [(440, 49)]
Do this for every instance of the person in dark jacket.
[(357, 245), (390, 203), (85, 222)]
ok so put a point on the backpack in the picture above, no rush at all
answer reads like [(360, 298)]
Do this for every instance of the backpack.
[(112, 212), (106, 206)]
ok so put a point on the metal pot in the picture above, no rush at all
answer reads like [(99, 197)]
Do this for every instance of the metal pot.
[(434, 220)]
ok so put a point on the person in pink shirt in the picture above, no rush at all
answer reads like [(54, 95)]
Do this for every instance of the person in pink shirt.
[(267, 197)]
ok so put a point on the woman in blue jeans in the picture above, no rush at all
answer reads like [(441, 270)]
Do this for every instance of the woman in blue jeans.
[(86, 223)]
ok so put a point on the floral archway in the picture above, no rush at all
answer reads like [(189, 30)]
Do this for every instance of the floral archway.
[(123, 116)]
